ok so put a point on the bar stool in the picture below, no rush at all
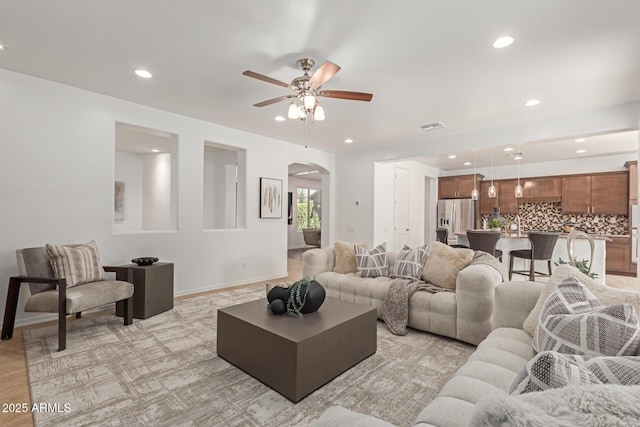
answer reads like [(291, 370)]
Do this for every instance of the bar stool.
[(485, 241), (442, 235), (542, 245)]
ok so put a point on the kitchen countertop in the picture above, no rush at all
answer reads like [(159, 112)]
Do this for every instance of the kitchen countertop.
[(524, 235)]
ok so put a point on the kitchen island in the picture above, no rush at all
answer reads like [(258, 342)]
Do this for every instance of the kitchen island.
[(581, 250)]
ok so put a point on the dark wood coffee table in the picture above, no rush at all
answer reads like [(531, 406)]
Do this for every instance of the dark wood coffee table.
[(296, 356)]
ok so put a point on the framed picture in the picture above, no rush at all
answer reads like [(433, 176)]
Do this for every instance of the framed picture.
[(270, 198), (118, 198)]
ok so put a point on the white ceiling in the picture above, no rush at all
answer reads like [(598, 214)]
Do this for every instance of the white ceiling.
[(424, 61)]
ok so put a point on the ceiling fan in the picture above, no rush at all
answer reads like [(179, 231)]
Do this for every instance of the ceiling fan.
[(306, 89)]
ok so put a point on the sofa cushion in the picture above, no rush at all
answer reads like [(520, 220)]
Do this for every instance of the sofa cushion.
[(346, 256), (443, 264), (78, 264), (606, 294), (372, 263), (409, 263), (573, 321), (551, 369)]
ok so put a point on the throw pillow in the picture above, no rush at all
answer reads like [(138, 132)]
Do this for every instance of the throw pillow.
[(77, 263), (550, 369), (372, 263), (443, 264), (606, 294), (573, 321), (410, 263), (346, 256)]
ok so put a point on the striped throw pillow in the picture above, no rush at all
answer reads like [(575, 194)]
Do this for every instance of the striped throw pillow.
[(410, 263), (372, 263), (573, 321), (77, 263)]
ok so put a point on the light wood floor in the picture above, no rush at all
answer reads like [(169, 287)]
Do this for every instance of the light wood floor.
[(14, 387)]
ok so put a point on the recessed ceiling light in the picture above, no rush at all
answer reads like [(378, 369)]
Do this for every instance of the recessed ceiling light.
[(155, 150), (508, 149), (580, 151), (517, 157), (280, 119), (143, 73), (2, 47), (502, 42), (532, 102), (348, 141), (453, 156), (580, 140), (467, 163)]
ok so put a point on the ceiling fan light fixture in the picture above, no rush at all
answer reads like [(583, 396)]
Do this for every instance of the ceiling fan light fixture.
[(293, 111), (309, 101), (318, 113)]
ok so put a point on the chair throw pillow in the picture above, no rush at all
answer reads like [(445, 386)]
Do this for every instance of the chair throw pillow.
[(346, 256), (372, 263), (77, 263), (410, 263), (573, 321), (551, 369), (443, 264), (606, 294)]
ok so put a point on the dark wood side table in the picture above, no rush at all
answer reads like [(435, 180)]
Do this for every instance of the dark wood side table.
[(153, 293)]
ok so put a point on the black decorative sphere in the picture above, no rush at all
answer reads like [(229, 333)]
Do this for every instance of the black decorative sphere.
[(277, 306), (314, 297)]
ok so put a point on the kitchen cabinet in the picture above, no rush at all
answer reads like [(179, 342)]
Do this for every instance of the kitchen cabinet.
[(486, 203), (456, 187), (507, 196), (618, 255), (542, 189), (633, 181), (605, 193)]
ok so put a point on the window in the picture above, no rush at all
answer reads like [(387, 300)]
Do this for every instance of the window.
[(308, 208)]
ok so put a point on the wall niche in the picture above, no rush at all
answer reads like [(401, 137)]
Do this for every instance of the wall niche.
[(223, 199), (146, 180)]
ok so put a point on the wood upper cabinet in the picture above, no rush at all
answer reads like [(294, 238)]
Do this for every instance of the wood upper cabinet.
[(610, 193), (456, 187), (486, 203), (576, 194), (543, 189), (633, 180), (606, 193), (507, 196)]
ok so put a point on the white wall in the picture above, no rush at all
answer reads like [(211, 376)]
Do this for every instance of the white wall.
[(295, 240), (57, 166), (128, 169), (156, 192), (219, 189), (356, 222)]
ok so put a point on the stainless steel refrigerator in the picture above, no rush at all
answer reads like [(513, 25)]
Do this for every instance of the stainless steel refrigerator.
[(457, 216)]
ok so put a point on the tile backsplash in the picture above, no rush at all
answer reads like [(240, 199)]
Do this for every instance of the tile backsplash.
[(548, 216)]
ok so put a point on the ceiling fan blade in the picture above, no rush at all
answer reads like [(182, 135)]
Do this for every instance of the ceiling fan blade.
[(343, 94), (323, 74), (265, 78), (272, 101)]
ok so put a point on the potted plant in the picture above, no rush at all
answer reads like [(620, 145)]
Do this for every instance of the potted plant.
[(494, 224)]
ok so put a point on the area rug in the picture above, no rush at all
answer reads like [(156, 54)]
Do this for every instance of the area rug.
[(164, 371)]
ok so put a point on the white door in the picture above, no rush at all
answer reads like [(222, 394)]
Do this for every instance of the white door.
[(401, 209)]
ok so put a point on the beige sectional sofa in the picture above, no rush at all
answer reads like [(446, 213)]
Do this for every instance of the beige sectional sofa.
[(490, 370), (464, 314)]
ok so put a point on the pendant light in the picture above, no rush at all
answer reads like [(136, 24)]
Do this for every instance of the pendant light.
[(474, 192), (518, 187), (492, 188)]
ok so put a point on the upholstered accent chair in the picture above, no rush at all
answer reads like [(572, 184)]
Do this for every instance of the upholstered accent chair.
[(50, 293), (311, 237)]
